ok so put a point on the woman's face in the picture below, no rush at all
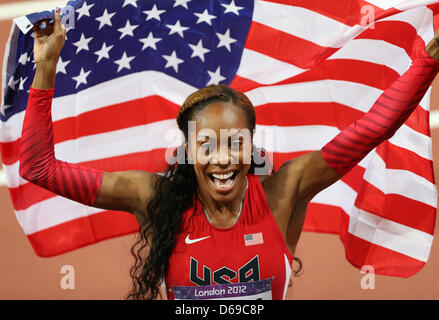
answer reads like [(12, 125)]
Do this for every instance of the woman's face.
[(219, 145)]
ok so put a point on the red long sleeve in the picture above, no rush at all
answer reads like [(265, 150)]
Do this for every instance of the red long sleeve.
[(37, 157), (388, 113)]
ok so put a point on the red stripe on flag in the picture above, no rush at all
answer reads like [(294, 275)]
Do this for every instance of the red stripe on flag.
[(119, 116), (323, 218), (417, 215), (385, 31), (306, 113), (306, 53), (402, 159), (419, 121), (362, 72), (9, 152), (80, 232)]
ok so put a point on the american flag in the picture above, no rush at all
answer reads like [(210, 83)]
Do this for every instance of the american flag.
[(254, 238), (310, 68)]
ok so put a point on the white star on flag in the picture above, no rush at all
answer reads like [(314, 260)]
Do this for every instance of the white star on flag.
[(3, 109), (103, 52), (225, 40), (232, 8), (124, 62), (172, 61), (105, 19), (12, 83), (21, 85), (81, 77), (149, 42), (177, 28), (198, 50), (127, 30), (23, 59), (215, 77), (82, 44), (182, 3), (84, 10), (131, 2), (154, 13), (61, 66), (205, 17)]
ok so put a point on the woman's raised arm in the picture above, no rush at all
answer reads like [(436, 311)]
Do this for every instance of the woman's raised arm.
[(302, 178), (128, 190)]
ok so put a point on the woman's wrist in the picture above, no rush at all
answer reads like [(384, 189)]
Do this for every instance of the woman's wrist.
[(45, 75), (433, 48)]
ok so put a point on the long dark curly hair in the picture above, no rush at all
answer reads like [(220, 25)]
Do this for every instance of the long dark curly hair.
[(174, 194)]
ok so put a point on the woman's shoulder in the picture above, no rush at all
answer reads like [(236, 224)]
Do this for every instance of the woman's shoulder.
[(263, 177)]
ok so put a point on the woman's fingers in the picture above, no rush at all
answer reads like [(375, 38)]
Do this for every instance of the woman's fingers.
[(57, 21), (48, 26), (43, 28)]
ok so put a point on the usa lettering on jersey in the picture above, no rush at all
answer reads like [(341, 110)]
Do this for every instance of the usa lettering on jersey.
[(248, 272)]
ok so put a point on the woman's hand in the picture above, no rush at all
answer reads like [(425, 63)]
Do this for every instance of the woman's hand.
[(48, 44), (433, 47), (49, 41)]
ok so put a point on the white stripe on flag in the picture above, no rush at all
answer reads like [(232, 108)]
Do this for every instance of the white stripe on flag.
[(160, 134), (355, 95), (288, 271), (130, 87), (425, 102), (51, 212), (11, 176), (434, 119), (299, 22), (390, 234), (11, 129), (375, 51), (377, 230), (406, 137), (407, 5), (264, 69), (3, 181), (403, 182)]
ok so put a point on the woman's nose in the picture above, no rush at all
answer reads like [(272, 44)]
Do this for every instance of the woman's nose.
[(221, 157)]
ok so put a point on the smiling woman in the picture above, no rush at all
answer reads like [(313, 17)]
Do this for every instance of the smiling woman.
[(215, 202), (211, 224)]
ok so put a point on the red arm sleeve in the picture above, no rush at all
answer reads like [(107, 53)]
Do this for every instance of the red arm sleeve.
[(388, 113), (37, 157)]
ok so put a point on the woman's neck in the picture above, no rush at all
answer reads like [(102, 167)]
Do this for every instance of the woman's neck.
[(223, 214)]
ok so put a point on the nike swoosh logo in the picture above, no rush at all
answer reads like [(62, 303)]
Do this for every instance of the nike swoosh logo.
[(190, 241)]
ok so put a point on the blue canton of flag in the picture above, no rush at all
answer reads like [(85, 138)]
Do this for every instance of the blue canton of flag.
[(197, 42)]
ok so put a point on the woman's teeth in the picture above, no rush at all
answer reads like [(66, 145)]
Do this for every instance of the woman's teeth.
[(222, 176), (223, 180)]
